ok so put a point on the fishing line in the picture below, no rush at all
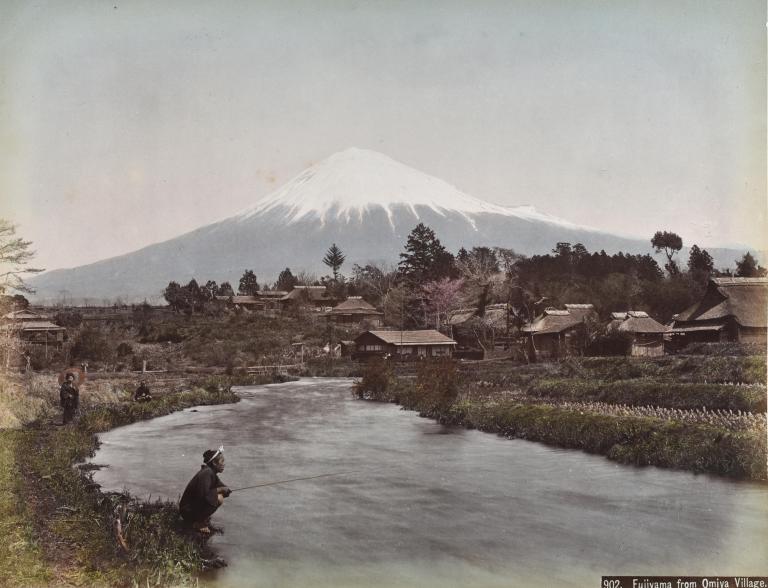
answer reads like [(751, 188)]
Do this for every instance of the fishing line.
[(291, 480)]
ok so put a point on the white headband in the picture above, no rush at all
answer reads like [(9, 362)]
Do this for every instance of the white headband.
[(219, 451)]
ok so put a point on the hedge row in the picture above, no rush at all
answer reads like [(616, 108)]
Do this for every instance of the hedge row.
[(630, 440), (645, 392)]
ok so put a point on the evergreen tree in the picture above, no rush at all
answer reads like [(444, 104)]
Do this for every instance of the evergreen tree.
[(425, 258), (334, 259), (748, 267), (209, 291), (225, 289), (249, 286), (174, 296), (286, 281)]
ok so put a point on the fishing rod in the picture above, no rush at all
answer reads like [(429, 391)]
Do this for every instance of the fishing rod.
[(291, 480)]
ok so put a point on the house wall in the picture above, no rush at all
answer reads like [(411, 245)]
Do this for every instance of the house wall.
[(753, 335), (647, 345), (557, 345)]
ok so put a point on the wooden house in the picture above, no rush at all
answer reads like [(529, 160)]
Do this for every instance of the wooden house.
[(316, 297), (403, 344), (559, 333), (732, 309), (33, 328), (264, 300), (646, 335), (355, 311)]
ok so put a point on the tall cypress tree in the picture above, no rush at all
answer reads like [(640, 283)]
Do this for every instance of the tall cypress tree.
[(334, 259)]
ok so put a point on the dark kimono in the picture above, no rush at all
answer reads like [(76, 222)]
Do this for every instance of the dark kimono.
[(69, 396), (200, 499)]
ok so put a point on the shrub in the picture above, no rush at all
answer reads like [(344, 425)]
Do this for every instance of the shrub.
[(437, 385), (376, 380)]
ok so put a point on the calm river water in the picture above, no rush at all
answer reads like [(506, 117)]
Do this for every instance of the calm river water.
[(425, 505)]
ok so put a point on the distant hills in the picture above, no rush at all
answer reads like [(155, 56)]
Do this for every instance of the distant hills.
[(363, 201)]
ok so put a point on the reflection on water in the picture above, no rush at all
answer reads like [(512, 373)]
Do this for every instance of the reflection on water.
[(426, 505)]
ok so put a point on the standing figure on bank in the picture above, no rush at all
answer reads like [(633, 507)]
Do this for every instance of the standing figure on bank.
[(205, 492), (142, 392), (69, 397)]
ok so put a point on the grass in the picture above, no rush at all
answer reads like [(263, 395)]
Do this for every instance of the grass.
[(652, 392), (62, 523)]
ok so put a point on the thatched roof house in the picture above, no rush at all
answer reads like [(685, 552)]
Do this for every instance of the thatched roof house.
[(646, 335), (732, 309), (558, 333), (353, 311), (316, 296), (404, 344)]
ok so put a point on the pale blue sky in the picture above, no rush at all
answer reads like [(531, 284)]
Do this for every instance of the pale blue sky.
[(124, 123)]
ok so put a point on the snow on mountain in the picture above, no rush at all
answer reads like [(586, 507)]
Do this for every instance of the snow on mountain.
[(363, 201), (350, 183)]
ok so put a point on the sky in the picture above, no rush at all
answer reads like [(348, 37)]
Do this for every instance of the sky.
[(127, 123)]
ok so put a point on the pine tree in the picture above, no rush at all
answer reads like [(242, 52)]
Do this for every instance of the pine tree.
[(286, 281), (249, 286), (670, 243), (225, 289), (425, 258), (334, 259), (748, 267)]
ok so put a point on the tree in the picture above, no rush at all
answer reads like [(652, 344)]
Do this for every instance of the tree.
[(209, 290), (748, 267), (286, 281), (225, 289), (479, 268), (15, 254), (440, 297), (249, 285), (699, 260), (334, 259), (174, 296), (670, 243), (425, 258), (372, 281)]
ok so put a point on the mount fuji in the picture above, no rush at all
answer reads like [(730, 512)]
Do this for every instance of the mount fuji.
[(361, 200)]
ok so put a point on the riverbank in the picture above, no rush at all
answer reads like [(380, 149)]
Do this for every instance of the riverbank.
[(59, 528), (634, 411)]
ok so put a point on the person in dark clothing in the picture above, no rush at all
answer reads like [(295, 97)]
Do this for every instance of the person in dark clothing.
[(69, 397), (205, 492), (142, 393)]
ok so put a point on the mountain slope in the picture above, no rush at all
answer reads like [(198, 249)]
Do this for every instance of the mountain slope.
[(363, 201)]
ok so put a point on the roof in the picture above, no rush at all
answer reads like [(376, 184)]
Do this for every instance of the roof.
[(744, 299), (696, 328), (425, 337), (635, 321), (557, 321), (354, 305), (23, 315), (240, 299), (313, 293), (271, 293), (35, 326)]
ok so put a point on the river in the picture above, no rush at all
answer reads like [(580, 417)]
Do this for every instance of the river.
[(419, 504)]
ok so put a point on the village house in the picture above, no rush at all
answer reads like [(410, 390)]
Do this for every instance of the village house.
[(403, 344), (559, 333), (355, 311), (316, 297), (646, 335), (732, 309), (33, 328), (263, 301)]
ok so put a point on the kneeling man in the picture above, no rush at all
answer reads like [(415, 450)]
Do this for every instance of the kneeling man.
[(205, 492)]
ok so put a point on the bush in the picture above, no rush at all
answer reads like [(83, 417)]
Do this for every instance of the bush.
[(437, 385), (725, 349), (376, 380)]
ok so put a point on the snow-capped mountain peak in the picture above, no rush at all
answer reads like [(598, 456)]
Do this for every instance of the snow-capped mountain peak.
[(347, 184)]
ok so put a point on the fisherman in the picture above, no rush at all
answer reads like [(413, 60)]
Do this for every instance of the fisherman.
[(142, 392), (69, 397), (205, 492)]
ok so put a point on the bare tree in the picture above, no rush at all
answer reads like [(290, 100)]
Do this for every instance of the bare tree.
[(15, 254)]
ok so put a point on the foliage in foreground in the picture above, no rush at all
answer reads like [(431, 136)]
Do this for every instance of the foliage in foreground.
[(69, 510)]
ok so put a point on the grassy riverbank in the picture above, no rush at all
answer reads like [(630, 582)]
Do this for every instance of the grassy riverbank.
[(59, 528), (635, 411)]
